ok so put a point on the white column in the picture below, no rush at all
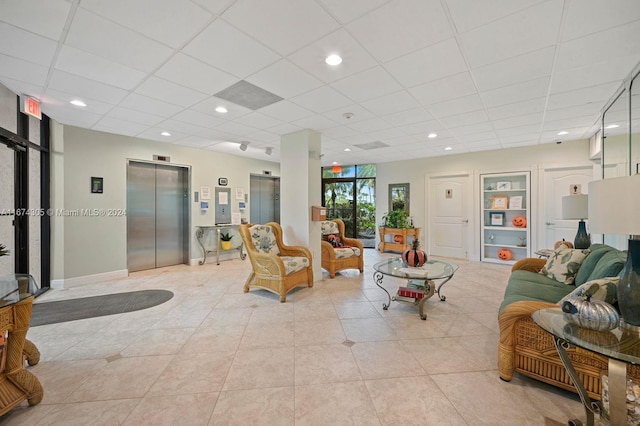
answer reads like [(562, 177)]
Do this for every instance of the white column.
[(300, 186)]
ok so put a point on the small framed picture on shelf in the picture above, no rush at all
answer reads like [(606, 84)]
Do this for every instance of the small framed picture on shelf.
[(515, 202), (500, 202), (496, 218), (503, 186)]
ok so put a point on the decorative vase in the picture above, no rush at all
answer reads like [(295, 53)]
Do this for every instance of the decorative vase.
[(582, 240), (226, 245), (629, 287)]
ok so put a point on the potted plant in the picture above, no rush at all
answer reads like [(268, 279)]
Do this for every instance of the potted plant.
[(395, 219), (3, 250), (225, 240)]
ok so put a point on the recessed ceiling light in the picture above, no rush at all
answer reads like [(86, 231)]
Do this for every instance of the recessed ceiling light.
[(347, 149), (333, 60), (334, 163), (221, 109), (78, 102), (432, 135), (165, 133), (564, 132), (448, 148), (612, 126)]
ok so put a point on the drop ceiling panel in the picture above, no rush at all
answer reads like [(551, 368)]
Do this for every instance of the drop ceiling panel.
[(591, 16), (468, 15), (198, 118), (518, 92), (258, 120), (91, 33), (229, 50), (473, 117), (85, 88), (400, 27), (359, 114), (470, 129), (213, 6), (338, 132), (171, 22), (209, 105), (322, 100), (284, 79), (125, 127), (63, 101), (317, 122), (599, 94), (176, 126), (513, 110), (371, 125), (18, 69), (169, 92), (145, 103), (354, 57), (457, 106), (264, 137), (428, 64), (286, 111), (79, 118), (135, 116), (84, 64), (346, 11), (24, 45), (194, 74), (369, 84), (298, 22), (585, 110), (520, 120), (410, 116), (154, 134), (525, 31), (392, 103), (444, 89), (593, 74), (44, 17)]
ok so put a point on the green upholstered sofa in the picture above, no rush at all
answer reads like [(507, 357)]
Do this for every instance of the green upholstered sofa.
[(526, 348)]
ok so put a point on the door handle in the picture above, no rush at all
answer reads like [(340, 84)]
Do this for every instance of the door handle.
[(465, 220), (550, 223)]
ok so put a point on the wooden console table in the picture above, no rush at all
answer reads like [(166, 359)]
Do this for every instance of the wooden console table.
[(395, 246), (16, 383)]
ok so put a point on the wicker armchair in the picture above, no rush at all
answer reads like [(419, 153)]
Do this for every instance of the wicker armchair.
[(336, 259), (529, 350), (276, 267)]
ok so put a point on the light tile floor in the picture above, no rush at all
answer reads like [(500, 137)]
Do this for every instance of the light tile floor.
[(330, 355)]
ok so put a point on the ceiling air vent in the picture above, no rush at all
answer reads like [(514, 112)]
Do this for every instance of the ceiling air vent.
[(372, 145), (248, 95)]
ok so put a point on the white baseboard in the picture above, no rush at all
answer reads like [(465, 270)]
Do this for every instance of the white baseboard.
[(89, 279)]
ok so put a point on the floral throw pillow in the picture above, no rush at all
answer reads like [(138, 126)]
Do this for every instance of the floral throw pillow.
[(564, 263), (605, 289)]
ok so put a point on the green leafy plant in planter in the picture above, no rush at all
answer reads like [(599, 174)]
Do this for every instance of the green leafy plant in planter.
[(225, 240), (395, 219), (3, 250)]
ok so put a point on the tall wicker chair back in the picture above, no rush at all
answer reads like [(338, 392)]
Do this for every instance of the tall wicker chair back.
[(338, 251)]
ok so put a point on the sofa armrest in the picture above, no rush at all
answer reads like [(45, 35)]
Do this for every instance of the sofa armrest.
[(531, 264)]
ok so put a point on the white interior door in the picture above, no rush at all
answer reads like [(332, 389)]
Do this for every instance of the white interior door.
[(557, 182), (448, 208)]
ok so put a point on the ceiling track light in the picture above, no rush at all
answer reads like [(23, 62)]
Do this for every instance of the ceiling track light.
[(243, 146), (268, 150)]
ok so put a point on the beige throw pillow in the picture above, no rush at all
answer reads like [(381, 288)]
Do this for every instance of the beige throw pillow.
[(564, 263)]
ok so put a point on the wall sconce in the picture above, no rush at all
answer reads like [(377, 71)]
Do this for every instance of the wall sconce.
[(268, 150), (243, 146)]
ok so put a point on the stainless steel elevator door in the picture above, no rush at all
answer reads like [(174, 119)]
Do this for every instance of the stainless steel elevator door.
[(265, 199), (157, 216)]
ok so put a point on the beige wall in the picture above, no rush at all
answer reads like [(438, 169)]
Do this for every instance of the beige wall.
[(96, 245)]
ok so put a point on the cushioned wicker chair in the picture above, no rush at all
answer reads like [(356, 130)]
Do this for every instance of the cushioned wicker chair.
[(336, 259), (276, 267)]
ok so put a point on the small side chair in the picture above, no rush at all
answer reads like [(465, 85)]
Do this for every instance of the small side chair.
[(277, 267), (334, 259)]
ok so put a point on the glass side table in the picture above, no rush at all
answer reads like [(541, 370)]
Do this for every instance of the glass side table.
[(619, 345)]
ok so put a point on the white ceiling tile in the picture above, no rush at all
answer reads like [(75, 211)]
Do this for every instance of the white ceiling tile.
[(86, 88), (575, 126), (214, 6), (62, 99), (354, 58), (44, 17), (444, 89), (298, 22), (400, 27), (517, 69), (525, 31), (590, 16), (144, 103), (518, 92), (284, 129), (593, 74), (195, 141), (154, 133), (284, 79), (457, 106), (24, 45), (618, 41), (125, 127), (91, 33), (169, 92), (263, 136), (84, 64), (194, 74), (428, 64), (234, 128), (481, 138), (209, 105), (135, 116), (21, 87), (470, 129), (258, 120), (513, 110), (178, 127), (488, 146), (410, 116), (338, 132), (468, 15), (591, 109), (229, 50), (391, 133), (371, 125), (532, 129), (79, 118), (346, 11), (17, 69), (316, 122), (520, 120), (425, 127), (322, 100), (198, 118), (467, 118), (171, 22), (359, 114), (369, 84), (286, 111), (392, 103), (598, 94)]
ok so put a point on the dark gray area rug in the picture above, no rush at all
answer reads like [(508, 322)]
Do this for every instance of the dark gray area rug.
[(96, 306)]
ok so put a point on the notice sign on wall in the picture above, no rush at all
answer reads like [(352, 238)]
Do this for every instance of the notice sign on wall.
[(30, 106)]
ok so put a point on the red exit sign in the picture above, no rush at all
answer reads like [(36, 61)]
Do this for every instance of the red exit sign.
[(30, 106)]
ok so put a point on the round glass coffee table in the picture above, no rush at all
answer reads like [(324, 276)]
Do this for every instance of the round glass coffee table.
[(420, 281)]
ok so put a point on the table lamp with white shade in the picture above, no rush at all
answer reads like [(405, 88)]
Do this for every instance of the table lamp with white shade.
[(614, 208), (577, 207)]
